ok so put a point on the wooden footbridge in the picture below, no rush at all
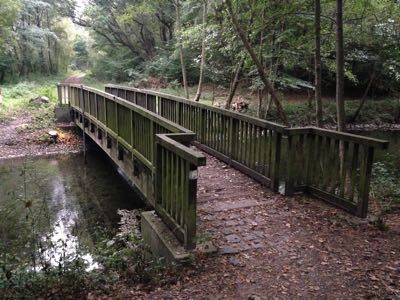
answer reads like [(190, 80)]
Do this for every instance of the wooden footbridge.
[(152, 137)]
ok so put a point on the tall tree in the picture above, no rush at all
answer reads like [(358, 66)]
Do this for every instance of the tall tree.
[(234, 83), (341, 123), (257, 62), (318, 100), (180, 46), (203, 52)]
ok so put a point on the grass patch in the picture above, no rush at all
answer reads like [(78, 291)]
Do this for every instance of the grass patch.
[(16, 99)]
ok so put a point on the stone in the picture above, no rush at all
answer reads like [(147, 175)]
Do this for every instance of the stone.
[(233, 238), (253, 297), (258, 245), (250, 237), (206, 248), (11, 142), (228, 230), (235, 262), (231, 223), (229, 250), (245, 247), (242, 204), (39, 100)]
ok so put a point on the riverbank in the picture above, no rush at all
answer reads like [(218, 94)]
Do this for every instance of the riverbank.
[(19, 138), (27, 116)]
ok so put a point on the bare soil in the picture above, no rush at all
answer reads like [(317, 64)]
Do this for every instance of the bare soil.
[(17, 140)]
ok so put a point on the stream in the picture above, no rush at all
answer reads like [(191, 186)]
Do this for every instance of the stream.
[(55, 209)]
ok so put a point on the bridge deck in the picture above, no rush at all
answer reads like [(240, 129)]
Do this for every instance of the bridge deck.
[(282, 247), (239, 214)]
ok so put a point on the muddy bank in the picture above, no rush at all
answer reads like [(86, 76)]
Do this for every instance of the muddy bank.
[(19, 138)]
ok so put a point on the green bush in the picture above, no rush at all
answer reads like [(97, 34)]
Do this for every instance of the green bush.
[(385, 186)]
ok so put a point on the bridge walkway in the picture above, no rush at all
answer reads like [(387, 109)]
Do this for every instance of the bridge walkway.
[(240, 214)]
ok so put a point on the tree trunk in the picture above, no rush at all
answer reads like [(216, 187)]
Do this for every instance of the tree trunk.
[(260, 103), (364, 97), (182, 57), (203, 53), (318, 100), (234, 84), (256, 61), (340, 67)]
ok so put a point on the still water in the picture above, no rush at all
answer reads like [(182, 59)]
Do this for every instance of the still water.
[(53, 209)]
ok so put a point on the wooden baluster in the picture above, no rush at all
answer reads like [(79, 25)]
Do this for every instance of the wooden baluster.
[(275, 160), (343, 171), (354, 166), (365, 179)]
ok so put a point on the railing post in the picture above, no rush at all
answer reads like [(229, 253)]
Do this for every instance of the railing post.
[(191, 209), (158, 176), (233, 138), (275, 159), (365, 179), (291, 153), (203, 125), (59, 94), (310, 140)]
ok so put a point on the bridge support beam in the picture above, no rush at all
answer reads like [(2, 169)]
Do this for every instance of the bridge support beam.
[(141, 181), (161, 240)]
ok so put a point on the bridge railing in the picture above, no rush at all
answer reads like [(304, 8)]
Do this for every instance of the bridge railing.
[(159, 145), (333, 166), (176, 182), (249, 144)]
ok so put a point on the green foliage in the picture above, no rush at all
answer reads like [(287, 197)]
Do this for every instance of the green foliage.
[(377, 112), (81, 53), (16, 100), (32, 38), (386, 184), (135, 40)]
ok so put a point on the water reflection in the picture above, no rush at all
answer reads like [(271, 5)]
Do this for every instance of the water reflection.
[(61, 203)]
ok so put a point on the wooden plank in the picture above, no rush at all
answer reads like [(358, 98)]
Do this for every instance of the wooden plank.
[(365, 179), (275, 160), (333, 199), (186, 153)]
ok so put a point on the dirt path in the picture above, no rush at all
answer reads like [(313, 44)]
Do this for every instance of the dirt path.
[(274, 247), (75, 79)]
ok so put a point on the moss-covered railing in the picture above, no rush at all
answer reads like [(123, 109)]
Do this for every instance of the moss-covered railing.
[(156, 147), (249, 144), (330, 165)]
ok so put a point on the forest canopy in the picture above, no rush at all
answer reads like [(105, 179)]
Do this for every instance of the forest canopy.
[(133, 39)]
